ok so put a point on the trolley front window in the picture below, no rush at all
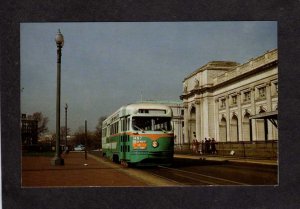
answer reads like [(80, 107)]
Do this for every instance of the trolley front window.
[(151, 123)]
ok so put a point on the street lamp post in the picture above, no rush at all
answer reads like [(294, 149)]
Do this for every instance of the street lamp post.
[(85, 151), (66, 123), (57, 160)]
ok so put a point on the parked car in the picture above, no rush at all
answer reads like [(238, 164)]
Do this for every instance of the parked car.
[(79, 147)]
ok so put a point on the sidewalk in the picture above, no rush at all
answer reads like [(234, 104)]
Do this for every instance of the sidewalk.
[(77, 171), (37, 171), (232, 159)]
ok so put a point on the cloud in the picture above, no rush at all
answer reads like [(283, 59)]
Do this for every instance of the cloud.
[(107, 65)]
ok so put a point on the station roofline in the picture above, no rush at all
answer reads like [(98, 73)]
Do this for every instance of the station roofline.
[(161, 101), (225, 65), (214, 65)]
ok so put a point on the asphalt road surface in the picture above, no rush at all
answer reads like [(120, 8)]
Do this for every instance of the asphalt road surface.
[(202, 172), (185, 171)]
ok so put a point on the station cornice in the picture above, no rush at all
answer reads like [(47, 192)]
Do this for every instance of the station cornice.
[(211, 87)]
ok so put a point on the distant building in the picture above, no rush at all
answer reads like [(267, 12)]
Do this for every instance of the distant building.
[(29, 130), (178, 111), (233, 103)]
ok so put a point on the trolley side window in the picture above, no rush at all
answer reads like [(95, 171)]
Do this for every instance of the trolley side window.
[(114, 128), (124, 124), (128, 123), (104, 132)]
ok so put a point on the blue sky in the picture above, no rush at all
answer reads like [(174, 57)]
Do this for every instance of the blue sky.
[(108, 64)]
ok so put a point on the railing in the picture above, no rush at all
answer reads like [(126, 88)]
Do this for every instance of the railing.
[(255, 149), (248, 66)]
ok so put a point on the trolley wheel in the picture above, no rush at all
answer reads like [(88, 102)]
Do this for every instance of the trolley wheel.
[(115, 159), (124, 163)]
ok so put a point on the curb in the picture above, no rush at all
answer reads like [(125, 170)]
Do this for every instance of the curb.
[(228, 160)]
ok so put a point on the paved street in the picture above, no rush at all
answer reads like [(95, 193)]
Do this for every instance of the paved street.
[(187, 171)]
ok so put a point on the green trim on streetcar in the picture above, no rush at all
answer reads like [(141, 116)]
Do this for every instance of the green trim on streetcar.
[(125, 150)]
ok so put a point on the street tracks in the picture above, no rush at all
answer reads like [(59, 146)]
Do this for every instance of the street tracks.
[(184, 177)]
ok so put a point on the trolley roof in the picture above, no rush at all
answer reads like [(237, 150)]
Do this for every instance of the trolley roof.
[(142, 109)]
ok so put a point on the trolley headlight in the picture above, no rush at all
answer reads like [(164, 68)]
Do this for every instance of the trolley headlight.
[(154, 144)]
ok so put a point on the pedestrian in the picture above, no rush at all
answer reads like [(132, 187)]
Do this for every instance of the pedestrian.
[(196, 146), (193, 146), (209, 145), (206, 146), (202, 147), (213, 146)]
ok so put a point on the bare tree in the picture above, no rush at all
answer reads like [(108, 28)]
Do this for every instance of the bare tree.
[(63, 131), (98, 132), (92, 141), (42, 122)]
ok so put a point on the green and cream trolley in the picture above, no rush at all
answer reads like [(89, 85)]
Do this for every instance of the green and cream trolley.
[(139, 134)]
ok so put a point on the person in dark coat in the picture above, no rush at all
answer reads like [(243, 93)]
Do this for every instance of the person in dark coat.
[(209, 146), (213, 146), (206, 146)]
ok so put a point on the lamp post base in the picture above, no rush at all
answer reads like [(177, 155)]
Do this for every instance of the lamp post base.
[(57, 161)]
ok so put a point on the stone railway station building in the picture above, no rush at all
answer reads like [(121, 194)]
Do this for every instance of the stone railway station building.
[(236, 104)]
